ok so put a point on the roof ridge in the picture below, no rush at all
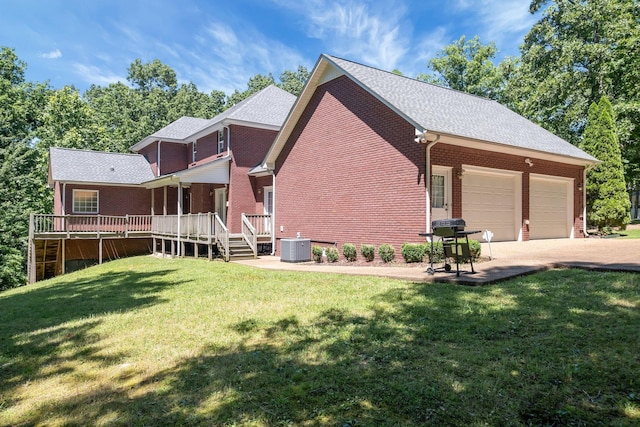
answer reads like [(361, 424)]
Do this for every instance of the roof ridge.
[(331, 57), (87, 150)]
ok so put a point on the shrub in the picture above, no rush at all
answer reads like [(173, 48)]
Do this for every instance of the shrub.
[(349, 252), (438, 251), (386, 252), (368, 252), (316, 252), (413, 252), (332, 254), (475, 249)]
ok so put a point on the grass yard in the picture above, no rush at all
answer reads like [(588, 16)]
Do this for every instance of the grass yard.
[(631, 233), (152, 342)]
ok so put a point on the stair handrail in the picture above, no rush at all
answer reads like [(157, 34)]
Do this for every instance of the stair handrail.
[(249, 234), (222, 235)]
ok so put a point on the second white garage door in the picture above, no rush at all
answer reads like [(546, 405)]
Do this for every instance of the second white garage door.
[(489, 202), (549, 206)]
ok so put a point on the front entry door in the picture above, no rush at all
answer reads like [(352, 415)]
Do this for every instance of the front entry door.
[(440, 193), (221, 204)]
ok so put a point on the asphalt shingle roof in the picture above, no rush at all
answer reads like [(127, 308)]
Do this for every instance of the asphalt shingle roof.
[(181, 128), (69, 165), (270, 106), (447, 111)]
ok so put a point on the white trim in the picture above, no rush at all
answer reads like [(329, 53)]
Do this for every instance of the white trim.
[(73, 201), (223, 211), (447, 172)]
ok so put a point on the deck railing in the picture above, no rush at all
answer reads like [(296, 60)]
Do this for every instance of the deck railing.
[(261, 223), (249, 234), (205, 227), (93, 224)]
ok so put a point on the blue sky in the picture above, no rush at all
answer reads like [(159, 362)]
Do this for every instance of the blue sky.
[(221, 44)]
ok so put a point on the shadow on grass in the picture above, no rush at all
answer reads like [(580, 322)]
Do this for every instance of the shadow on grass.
[(559, 348), (43, 327)]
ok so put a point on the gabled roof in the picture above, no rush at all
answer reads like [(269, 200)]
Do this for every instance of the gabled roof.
[(96, 167), (435, 110), (180, 129), (267, 108)]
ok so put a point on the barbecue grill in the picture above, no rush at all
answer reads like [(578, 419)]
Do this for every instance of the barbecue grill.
[(455, 243)]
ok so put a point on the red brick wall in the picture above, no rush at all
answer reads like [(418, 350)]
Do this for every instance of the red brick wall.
[(174, 157), (57, 198), (207, 147), (150, 152), (351, 172), (114, 200), (248, 148)]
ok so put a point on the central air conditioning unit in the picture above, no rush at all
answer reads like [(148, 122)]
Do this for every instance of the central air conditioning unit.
[(295, 250)]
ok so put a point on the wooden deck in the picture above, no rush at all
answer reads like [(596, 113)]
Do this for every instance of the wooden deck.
[(196, 229)]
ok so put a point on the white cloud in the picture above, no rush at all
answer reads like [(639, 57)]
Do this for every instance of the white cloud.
[(95, 75), (501, 21), (54, 54), (375, 34)]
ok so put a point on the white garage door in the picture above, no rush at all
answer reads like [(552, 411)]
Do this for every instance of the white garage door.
[(489, 203), (549, 208)]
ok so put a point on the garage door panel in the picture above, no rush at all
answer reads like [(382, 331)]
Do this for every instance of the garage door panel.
[(488, 203), (548, 205)]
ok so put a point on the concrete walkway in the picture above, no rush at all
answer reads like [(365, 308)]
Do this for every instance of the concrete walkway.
[(509, 259)]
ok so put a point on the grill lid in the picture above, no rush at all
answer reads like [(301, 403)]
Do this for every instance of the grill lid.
[(455, 223)]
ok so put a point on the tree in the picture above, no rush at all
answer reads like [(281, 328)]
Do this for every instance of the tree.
[(607, 200), (152, 75), (579, 51), (467, 66), (255, 84), (22, 189), (294, 81)]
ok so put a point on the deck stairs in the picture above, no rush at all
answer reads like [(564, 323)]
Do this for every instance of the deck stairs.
[(239, 248)]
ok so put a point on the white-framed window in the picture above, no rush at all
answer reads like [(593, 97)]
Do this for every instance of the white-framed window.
[(194, 151), (85, 201), (220, 141), (437, 191)]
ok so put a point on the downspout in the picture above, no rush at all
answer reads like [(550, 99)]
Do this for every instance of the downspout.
[(64, 198), (273, 213), (584, 201), (158, 159), (427, 179)]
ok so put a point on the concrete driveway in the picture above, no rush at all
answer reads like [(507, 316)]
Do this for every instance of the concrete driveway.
[(509, 259)]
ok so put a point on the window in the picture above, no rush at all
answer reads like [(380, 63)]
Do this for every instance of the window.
[(437, 191), (220, 140), (85, 201), (194, 152)]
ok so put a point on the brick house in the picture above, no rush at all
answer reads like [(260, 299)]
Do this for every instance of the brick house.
[(111, 205), (354, 157)]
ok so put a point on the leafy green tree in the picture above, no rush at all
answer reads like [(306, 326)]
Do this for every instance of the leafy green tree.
[(294, 81), (607, 200), (152, 75), (255, 84), (22, 189), (467, 66), (579, 51)]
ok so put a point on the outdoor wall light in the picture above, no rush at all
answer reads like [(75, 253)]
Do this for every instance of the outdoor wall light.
[(460, 173), (579, 186), (528, 161)]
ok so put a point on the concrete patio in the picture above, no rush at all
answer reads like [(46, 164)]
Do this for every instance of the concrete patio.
[(509, 259)]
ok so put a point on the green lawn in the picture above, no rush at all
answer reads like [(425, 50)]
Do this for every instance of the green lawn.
[(630, 234), (153, 342)]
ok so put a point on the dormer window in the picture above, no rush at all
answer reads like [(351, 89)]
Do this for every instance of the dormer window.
[(194, 151), (220, 140)]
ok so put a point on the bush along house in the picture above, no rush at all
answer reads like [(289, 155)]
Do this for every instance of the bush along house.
[(195, 186), (371, 157)]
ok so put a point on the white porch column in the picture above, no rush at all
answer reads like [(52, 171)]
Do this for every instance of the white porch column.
[(179, 215)]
